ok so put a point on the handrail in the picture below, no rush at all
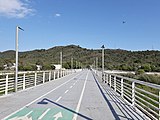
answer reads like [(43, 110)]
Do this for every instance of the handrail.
[(28, 79), (138, 81), (144, 97)]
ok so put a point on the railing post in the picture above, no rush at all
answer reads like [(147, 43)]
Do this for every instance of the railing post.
[(24, 81), (65, 73), (159, 104), (58, 74), (49, 75), (106, 78), (122, 87), (114, 83), (62, 73), (6, 87), (133, 93), (54, 77), (43, 77), (110, 81), (35, 79)]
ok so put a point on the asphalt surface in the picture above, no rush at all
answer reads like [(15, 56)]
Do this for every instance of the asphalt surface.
[(79, 96)]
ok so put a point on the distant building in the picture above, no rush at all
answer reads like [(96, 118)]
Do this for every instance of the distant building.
[(13, 67), (5, 67), (39, 67), (57, 67), (9, 66)]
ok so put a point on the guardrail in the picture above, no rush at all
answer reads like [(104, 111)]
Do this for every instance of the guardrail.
[(140, 95), (28, 79)]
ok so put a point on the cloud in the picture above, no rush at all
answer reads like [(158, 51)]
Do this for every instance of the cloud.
[(14, 8), (57, 15)]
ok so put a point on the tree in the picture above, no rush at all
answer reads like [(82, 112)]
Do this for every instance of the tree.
[(47, 67)]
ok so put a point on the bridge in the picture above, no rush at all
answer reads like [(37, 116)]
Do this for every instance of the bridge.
[(77, 95)]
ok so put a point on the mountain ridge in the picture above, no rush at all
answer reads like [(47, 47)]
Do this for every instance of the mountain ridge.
[(114, 58)]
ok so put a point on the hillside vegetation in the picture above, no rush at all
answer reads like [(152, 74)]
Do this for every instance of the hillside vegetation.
[(114, 58)]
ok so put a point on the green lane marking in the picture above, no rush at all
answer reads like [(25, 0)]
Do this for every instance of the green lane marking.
[(23, 112), (37, 112), (63, 114), (66, 115)]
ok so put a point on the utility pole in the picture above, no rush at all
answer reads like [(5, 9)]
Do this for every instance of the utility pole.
[(102, 62), (76, 64), (71, 63), (61, 62), (16, 67), (79, 65), (96, 63)]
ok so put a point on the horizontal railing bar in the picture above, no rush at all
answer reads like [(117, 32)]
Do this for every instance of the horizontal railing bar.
[(156, 96), (145, 111), (147, 97), (140, 82), (127, 88), (127, 84), (128, 98), (154, 107)]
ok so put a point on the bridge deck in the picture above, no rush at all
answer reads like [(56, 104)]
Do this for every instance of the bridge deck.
[(77, 96)]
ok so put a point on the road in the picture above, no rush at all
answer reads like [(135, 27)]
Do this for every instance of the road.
[(79, 96)]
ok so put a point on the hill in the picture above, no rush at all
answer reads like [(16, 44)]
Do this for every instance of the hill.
[(114, 58)]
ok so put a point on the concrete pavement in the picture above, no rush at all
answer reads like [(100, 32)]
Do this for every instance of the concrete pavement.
[(79, 96)]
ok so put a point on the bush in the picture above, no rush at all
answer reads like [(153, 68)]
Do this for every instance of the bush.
[(146, 67), (27, 68), (140, 71)]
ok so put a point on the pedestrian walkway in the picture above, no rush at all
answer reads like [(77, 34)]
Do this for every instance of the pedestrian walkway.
[(79, 96)]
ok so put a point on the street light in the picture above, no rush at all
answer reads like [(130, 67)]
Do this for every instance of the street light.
[(102, 62), (71, 63), (96, 65), (61, 62), (16, 77)]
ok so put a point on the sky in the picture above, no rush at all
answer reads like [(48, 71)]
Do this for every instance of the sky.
[(117, 24)]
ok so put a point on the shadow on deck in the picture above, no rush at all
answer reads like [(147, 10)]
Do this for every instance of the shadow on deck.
[(119, 108)]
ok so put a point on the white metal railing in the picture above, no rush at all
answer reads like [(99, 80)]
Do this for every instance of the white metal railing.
[(28, 79), (141, 95)]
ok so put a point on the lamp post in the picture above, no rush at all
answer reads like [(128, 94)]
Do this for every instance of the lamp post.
[(61, 62), (96, 64), (16, 76), (71, 63), (102, 62)]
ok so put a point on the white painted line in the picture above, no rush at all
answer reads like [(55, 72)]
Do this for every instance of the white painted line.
[(40, 118), (71, 86), (66, 91), (58, 98), (80, 99), (40, 97), (28, 113)]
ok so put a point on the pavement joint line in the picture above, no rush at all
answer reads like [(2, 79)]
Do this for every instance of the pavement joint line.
[(40, 97), (58, 98), (28, 113), (66, 91), (80, 99), (44, 114)]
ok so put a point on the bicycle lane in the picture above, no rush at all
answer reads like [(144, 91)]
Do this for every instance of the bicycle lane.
[(47, 107)]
